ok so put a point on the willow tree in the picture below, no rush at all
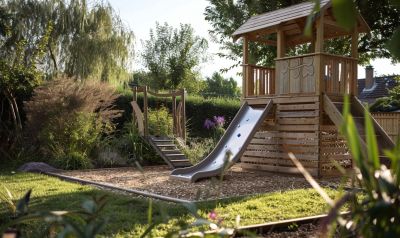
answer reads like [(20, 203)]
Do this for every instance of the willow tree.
[(87, 41)]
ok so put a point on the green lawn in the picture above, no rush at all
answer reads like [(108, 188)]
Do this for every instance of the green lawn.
[(128, 216)]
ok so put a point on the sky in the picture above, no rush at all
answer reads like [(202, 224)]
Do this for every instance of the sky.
[(142, 15)]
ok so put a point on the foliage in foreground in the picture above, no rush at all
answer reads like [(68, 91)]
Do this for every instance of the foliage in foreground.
[(377, 212), (70, 119)]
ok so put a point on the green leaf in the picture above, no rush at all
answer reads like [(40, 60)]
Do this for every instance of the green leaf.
[(308, 27), (393, 44), (22, 205), (150, 212), (345, 13), (372, 145)]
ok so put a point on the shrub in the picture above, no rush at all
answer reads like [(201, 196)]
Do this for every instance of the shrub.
[(374, 198), (160, 122), (197, 149), (134, 148), (70, 140), (68, 119)]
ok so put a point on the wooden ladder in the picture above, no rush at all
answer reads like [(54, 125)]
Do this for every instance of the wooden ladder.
[(167, 148)]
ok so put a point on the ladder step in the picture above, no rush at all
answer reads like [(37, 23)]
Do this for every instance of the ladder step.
[(166, 145), (169, 155), (179, 160), (167, 152), (181, 163)]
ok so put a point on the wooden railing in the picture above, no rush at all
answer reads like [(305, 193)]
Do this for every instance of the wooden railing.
[(259, 81), (178, 110), (315, 74), (339, 74)]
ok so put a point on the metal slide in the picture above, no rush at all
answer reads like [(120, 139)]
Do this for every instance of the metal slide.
[(236, 138)]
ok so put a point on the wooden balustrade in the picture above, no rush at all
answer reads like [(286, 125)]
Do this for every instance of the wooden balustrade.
[(314, 73), (296, 75), (339, 74), (260, 81)]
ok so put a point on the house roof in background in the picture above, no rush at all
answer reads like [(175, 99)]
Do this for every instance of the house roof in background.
[(381, 88)]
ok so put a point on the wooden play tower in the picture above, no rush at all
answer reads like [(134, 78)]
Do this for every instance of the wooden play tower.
[(307, 91)]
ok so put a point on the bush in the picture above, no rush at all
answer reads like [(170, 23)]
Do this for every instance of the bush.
[(197, 149), (134, 148), (160, 122), (67, 120), (70, 140)]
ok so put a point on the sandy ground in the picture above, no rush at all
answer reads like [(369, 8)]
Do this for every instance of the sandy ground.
[(155, 179)]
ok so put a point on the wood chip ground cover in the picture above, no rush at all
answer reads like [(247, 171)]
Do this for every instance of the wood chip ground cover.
[(155, 179)]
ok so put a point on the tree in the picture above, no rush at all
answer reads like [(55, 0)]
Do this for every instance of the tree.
[(85, 42), (219, 86), (172, 55), (227, 16), (19, 74)]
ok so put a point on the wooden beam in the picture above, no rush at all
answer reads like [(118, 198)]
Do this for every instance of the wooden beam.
[(281, 49), (319, 44), (245, 62), (354, 54)]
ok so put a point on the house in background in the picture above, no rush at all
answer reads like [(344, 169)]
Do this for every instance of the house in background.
[(371, 88)]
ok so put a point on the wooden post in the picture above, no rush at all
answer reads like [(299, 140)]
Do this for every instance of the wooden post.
[(319, 79), (183, 114), (319, 48), (145, 109), (174, 129), (245, 66), (354, 54), (135, 93), (281, 48)]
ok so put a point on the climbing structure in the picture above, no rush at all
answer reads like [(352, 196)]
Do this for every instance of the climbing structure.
[(167, 147), (306, 90)]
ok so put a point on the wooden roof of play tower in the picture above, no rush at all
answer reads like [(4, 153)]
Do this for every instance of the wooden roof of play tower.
[(292, 21)]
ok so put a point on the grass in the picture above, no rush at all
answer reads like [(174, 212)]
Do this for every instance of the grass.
[(128, 215)]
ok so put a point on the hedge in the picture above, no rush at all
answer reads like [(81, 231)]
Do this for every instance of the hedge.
[(198, 109)]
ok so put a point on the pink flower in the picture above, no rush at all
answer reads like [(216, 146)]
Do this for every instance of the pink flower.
[(212, 215)]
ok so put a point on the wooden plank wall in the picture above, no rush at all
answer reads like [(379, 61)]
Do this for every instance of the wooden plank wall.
[(390, 122), (295, 127), (334, 150)]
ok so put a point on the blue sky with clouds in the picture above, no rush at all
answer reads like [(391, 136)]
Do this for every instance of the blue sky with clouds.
[(142, 15)]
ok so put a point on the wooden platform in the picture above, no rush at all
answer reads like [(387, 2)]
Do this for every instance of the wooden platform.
[(168, 150)]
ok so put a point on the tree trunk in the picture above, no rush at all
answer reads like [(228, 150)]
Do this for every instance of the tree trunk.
[(14, 110), (53, 57)]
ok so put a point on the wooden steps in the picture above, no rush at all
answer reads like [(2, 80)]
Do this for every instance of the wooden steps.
[(334, 109), (169, 151)]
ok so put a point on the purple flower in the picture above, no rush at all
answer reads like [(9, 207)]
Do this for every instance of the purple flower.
[(219, 120), (208, 124)]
